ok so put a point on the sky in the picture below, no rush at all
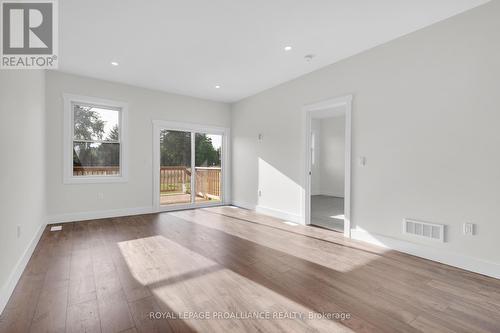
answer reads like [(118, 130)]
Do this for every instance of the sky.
[(110, 118), (216, 140)]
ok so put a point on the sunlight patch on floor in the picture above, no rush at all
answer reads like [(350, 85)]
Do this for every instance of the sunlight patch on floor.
[(293, 224), (329, 254), (184, 281), (152, 260), (227, 293)]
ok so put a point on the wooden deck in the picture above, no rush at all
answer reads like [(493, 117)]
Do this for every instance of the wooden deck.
[(109, 275), (173, 199)]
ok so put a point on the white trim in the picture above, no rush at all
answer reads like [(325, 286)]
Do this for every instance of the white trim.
[(243, 205), (449, 258), (188, 206), (15, 275), (190, 127), (345, 101), (225, 163), (101, 214), (68, 177), (280, 214)]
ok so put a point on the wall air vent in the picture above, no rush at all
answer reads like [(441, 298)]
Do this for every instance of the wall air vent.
[(422, 229)]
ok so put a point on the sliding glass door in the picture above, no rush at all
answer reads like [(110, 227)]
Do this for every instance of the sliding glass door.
[(208, 167), (189, 165), (175, 167)]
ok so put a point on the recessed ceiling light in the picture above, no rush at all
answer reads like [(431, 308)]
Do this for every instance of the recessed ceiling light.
[(114, 63), (287, 48), (217, 87)]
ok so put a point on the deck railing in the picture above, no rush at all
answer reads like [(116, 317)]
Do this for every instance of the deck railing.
[(96, 171), (173, 179), (177, 179), (208, 182)]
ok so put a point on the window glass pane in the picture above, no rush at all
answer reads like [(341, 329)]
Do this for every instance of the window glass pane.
[(175, 167), (94, 123), (96, 159), (208, 167)]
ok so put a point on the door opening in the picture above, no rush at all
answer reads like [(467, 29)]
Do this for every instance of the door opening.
[(328, 171), (328, 163)]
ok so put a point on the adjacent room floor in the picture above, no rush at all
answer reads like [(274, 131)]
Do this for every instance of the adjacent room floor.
[(137, 274), (327, 212)]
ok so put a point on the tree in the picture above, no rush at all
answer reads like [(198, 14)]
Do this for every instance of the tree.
[(114, 134), (88, 123), (206, 155), (90, 126), (175, 148)]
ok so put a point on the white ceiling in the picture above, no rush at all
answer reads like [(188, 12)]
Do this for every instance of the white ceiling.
[(189, 46)]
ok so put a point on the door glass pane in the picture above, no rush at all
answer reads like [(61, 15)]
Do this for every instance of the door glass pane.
[(175, 167), (208, 152)]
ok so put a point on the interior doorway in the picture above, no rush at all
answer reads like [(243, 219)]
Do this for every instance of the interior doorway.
[(328, 164), (328, 169)]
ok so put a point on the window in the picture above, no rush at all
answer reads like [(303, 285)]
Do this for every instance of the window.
[(94, 146)]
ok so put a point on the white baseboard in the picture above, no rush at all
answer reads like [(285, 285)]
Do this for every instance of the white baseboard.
[(15, 275), (332, 194), (102, 214), (243, 205), (280, 214), (449, 258)]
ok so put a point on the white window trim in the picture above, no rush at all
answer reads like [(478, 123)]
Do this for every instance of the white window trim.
[(68, 177), (225, 162)]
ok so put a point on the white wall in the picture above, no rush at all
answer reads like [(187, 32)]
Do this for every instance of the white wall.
[(425, 115), (332, 163), (64, 201), (22, 171)]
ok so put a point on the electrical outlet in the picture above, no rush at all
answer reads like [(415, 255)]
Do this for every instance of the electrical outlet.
[(260, 193), (468, 229), (100, 195), (18, 231)]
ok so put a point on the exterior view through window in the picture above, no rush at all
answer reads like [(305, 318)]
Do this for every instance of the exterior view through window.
[(175, 167), (208, 167), (190, 167), (96, 140)]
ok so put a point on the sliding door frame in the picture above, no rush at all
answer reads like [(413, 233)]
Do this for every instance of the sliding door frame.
[(159, 125)]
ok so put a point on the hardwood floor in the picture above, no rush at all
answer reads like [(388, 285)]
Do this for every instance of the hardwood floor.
[(110, 275)]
